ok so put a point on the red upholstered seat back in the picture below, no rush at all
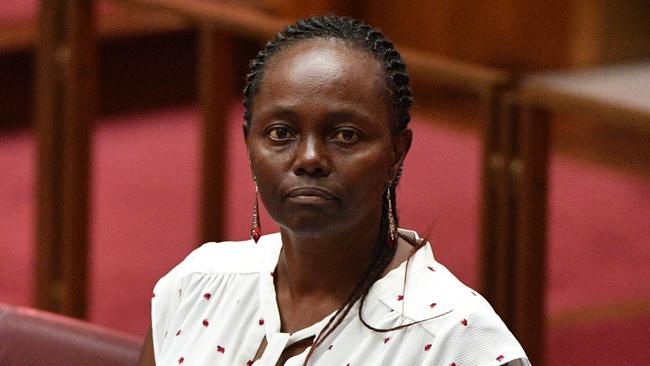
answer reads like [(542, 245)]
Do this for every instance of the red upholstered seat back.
[(32, 337)]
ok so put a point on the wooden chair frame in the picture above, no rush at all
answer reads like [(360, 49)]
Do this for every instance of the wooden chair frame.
[(531, 108)]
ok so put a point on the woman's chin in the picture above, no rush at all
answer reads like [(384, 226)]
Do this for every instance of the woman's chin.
[(315, 226)]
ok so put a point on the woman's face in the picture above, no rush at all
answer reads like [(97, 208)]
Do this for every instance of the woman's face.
[(320, 141)]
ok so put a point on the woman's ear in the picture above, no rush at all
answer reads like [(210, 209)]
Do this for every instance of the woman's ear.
[(401, 147)]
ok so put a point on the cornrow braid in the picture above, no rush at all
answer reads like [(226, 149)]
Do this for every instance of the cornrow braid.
[(351, 31)]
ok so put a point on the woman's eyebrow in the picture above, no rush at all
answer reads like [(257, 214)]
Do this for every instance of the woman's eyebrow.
[(337, 114), (278, 111), (347, 115)]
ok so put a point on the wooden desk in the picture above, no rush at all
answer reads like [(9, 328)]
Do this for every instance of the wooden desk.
[(620, 93), (617, 95)]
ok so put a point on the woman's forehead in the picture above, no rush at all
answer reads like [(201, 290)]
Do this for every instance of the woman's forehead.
[(324, 65), (329, 58)]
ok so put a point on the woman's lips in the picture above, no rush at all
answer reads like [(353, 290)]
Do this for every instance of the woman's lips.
[(310, 194)]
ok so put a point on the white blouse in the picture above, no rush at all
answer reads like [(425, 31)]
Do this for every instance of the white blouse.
[(216, 307)]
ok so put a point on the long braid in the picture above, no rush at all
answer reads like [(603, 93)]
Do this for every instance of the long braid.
[(363, 37)]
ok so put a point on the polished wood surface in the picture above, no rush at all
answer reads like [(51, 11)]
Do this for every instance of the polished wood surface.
[(528, 284), (615, 95), (601, 114), (118, 22), (65, 111), (50, 150), (620, 93), (497, 214), (521, 36), (224, 16), (216, 94)]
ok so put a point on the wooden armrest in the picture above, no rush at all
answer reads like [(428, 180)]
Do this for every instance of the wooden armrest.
[(117, 23), (620, 93)]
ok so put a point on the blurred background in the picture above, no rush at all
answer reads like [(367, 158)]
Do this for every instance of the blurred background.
[(121, 151)]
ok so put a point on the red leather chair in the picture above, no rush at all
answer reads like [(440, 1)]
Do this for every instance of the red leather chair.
[(33, 337)]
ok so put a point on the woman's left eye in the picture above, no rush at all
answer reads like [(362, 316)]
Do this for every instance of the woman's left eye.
[(347, 136), (280, 134)]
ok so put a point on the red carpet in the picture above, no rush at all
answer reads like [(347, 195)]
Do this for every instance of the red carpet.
[(17, 10), (145, 203)]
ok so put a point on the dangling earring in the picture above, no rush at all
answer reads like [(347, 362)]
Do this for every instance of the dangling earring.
[(392, 225), (256, 229)]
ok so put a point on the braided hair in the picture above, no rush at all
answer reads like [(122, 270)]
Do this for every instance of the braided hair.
[(363, 37), (352, 32)]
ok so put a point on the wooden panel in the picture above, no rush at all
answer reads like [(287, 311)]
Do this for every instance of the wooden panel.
[(49, 113), (602, 113), (217, 86), (295, 9), (118, 22), (225, 16), (528, 321), (613, 95), (66, 95), (518, 35), (79, 72), (498, 216), (605, 31), (16, 37)]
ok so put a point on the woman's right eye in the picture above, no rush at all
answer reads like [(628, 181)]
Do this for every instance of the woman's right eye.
[(280, 134)]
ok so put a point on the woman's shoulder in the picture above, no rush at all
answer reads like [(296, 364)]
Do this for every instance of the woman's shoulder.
[(470, 330), (423, 288), (451, 313)]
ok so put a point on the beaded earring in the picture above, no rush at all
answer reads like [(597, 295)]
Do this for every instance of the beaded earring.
[(392, 225), (256, 228)]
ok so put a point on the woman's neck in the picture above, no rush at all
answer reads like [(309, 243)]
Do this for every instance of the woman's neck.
[(324, 266), (316, 275)]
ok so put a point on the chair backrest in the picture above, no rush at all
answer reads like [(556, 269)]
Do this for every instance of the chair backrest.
[(33, 337)]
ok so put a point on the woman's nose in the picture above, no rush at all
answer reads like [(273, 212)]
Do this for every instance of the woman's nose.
[(311, 158)]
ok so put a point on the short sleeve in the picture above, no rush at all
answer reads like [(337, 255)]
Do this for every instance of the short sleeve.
[(478, 338)]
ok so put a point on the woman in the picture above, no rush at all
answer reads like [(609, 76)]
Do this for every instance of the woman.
[(327, 107)]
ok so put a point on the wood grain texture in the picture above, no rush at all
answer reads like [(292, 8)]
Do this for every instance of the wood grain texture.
[(65, 109)]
